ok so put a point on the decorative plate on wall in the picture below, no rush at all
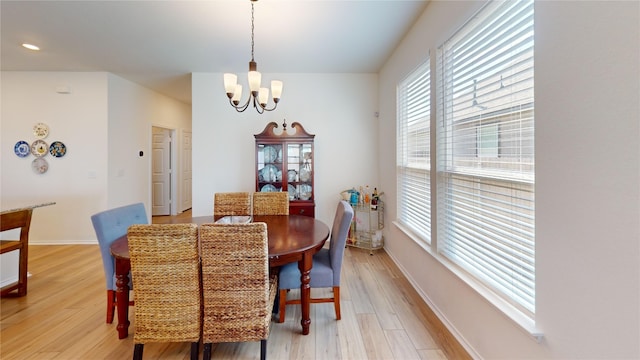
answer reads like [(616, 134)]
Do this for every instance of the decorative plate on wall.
[(22, 148), (57, 149), (41, 130), (39, 148), (39, 165)]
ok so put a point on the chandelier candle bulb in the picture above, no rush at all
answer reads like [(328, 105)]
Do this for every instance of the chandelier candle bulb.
[(230, 82), (276, 90), (263, 96), (237, 94), (254, 78)]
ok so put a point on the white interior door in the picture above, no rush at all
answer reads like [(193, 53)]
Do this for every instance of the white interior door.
[(161, 171), (186, 170)]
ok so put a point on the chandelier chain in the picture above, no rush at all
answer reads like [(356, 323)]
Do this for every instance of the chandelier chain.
[(252, 27)]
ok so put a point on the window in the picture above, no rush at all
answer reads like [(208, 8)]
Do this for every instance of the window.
[(414, 152), (486, 151), (487, 141)]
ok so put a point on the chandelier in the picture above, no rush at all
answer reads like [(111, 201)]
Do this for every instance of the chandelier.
[(259, 96)]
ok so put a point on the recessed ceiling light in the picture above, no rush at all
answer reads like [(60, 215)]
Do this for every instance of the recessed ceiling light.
[(30, 47)]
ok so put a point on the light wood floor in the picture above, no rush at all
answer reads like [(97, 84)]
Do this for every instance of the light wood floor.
[(63, 317)]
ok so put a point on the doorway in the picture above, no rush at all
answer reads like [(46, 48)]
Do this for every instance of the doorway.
[(161, 171)]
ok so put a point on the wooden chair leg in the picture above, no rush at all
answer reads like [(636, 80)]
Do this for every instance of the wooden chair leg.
[(336, 301), (283, 304), (263, 349), (207, 352), (276, 303), (111, 305), (24, 258), (195, 348), (137, 351)]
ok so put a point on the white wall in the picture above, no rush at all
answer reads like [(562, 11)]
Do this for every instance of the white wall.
[(587, 186), (133, 110), (338, 108), (79, 120), (588, 167), (104, 122)]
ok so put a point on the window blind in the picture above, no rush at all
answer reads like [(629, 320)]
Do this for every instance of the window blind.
[(486, 150), (413, 152)]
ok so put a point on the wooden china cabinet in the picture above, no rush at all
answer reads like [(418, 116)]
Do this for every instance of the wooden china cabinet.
[(284, 162)]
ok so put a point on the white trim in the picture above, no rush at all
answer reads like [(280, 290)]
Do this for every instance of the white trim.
[(9, 281), (416, 238), (62, 242), (452, 329), (13, 280), (509, 311)]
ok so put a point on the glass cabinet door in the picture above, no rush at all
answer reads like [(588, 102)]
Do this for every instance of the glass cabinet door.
[(270, 166), (300, 171)]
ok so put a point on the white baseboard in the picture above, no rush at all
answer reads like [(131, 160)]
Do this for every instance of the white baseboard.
[(62, 242), (452, 329)]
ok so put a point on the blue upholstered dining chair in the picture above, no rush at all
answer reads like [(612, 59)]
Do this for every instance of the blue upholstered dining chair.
[(327, 264), (110, 225)]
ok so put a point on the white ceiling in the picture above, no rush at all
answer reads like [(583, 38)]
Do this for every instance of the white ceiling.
[(158, 44)]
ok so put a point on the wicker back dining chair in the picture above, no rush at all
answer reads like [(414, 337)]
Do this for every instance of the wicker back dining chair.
[(271, 203), (231, 203), (327, 263), (238, 292), (165, 270), (110, 225)]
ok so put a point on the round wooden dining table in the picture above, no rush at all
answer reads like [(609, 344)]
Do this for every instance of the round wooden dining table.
[(291, 238)]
